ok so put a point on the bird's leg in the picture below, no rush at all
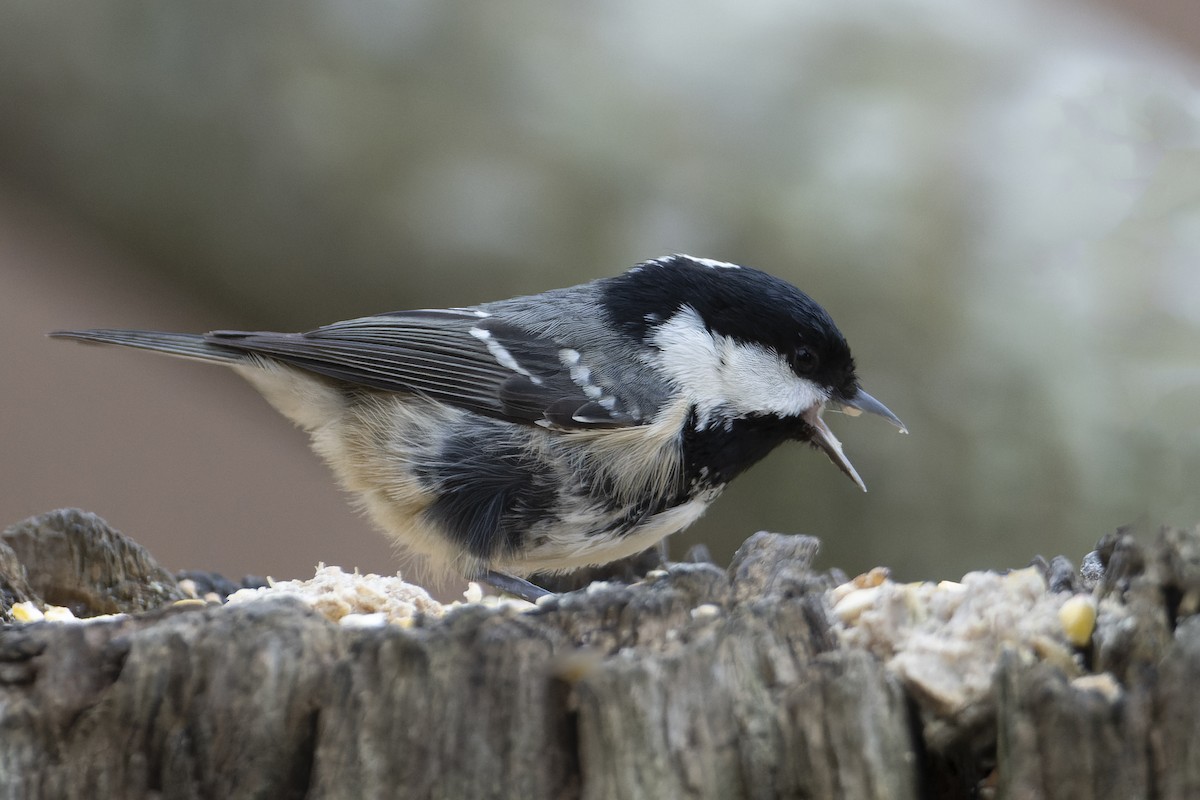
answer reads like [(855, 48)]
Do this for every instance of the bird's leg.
[(512, 584)]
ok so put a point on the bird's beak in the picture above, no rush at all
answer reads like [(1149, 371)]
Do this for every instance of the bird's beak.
[(823, 438), (864, 402)]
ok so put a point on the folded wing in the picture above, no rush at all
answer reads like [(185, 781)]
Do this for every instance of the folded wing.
[(460, 357)]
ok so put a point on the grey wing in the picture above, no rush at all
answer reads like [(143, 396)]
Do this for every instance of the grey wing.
[(457, 356)]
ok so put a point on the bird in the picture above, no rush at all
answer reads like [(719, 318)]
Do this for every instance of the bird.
[(560, 430)]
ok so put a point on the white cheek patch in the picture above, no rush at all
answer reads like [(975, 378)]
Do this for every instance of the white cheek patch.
[(717, 372), (757, 380)]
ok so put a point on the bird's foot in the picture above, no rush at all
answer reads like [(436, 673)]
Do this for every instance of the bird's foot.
[(519, 587)]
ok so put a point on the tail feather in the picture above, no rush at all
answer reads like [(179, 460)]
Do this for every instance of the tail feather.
[(184, 345)]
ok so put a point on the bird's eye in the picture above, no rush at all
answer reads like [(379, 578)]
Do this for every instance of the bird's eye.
[(804, 360)]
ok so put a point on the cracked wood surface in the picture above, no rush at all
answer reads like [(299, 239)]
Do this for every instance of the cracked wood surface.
[(700, 683)]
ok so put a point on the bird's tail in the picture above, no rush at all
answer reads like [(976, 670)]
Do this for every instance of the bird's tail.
[(184, 345)]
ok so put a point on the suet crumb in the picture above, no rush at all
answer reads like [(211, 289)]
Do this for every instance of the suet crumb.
[(351, 598), (944, 640)]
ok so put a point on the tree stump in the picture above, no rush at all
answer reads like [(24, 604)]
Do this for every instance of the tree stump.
[(697, 682)]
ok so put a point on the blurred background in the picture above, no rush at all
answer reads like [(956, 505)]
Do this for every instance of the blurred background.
[(998, 202)]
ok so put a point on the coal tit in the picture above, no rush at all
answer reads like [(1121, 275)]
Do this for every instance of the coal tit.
[(560, 430)]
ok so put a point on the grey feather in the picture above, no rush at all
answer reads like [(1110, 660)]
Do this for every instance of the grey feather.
[(184, 345), (476, 362)]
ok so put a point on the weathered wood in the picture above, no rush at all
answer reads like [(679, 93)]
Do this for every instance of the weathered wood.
[(72, 558), (698, 682)]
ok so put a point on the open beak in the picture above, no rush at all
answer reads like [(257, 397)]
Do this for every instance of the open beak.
[(864, 402), (824, 438)]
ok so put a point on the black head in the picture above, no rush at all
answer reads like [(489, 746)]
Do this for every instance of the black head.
[(754, 355), (740, 303)]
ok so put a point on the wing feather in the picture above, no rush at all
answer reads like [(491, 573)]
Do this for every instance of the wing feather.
[(456, 356)]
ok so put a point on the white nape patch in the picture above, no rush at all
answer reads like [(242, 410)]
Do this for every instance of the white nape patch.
[(457, 312), (711, 262), (719, 374), (502, 356)]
